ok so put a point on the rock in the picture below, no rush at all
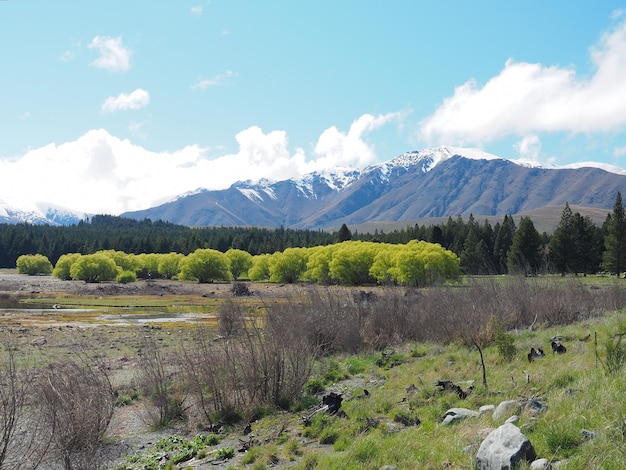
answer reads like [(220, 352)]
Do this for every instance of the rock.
[(506, 409), (588, 434), (504, 448), (512, 419), (541, 464), (534, 407), (486, 409), (458, 414)]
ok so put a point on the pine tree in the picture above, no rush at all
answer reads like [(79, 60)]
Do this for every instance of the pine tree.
[(525, 253), (344, 233), (562, 242), (615, 241), (502, 243)]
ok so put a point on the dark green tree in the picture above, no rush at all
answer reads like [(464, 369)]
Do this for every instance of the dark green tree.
[(474, 257), (502, 244), (588, 244), (525, 255), (615, 242), (344, 234), (562, 248)]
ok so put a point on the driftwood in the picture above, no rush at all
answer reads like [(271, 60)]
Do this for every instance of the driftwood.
[(535, 353), (448, 386), (331, 403)]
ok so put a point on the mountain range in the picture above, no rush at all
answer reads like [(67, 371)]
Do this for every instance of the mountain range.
[(430, 183), (437, 182)]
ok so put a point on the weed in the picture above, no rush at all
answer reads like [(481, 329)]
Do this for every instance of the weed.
[(225, 453), (292, 449), (314, 386), (615, 356), (505, 342), (389, 359), (419, 351), (562, 439), (252, 455)]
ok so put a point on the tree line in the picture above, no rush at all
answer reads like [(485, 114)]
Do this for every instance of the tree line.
[(576, 246)]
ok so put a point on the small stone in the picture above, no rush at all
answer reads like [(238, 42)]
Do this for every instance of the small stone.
[(541, 464), (588, 434)]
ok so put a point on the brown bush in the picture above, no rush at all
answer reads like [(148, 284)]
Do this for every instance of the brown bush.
[(256, 365), (23, 440), (76, 401), (159, 381)]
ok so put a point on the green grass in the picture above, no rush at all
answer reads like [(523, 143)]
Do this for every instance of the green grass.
[(574, 386)]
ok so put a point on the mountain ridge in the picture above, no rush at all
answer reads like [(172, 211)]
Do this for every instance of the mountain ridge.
[(416, 185), (435, 182)]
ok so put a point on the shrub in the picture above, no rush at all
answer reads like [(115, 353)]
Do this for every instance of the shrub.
[(615, 356), (505, 342), (124, 277), (33, 265), (76, 401), (157, 383), (225, 453)]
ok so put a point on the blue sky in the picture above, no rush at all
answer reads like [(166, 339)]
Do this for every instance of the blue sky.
[(145, 100)]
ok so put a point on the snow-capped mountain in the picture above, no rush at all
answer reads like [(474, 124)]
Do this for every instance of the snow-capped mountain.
[(9, 214), (443, 181), (41, 214)]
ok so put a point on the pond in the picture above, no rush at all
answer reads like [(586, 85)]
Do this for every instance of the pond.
[(131, 316)]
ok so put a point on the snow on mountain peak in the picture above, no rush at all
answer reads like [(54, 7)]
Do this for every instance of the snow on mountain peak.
[(431, 157)]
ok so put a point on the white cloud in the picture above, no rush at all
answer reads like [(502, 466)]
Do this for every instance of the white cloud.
[(204, 83), (196, 10), (527, 98), (136, 100), (67, 56), (111, 175), (25, 115), (619, 151), (114, 56), (335, 148), (529, 147)]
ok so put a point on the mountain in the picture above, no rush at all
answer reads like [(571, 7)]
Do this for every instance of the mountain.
[(41, 214), (437, 182)]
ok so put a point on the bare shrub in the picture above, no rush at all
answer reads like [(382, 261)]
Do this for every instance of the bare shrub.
[(386, 319), (240, 289), (325, 317), (258, 365), (76, 401), (158, 383), (23, 441)]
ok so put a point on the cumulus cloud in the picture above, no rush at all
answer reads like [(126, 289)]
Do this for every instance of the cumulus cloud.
[(335, 148), (114, 56), (111, 175), (526, 98), (529, 147), (204, 83), (136, 100)]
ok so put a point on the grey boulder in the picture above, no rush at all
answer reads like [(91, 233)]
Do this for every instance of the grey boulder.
[(504, 448)]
